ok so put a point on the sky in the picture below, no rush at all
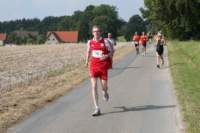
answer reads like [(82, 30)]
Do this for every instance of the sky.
[(18, 9)]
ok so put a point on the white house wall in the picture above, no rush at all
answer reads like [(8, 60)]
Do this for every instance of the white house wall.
[(1, 43), (52, 40)]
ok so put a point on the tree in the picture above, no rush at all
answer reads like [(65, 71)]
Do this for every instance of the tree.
[(135, 24), (107, 17), (29, 41), (176, 18), (122, 27), (11, 38), (104, 15), (40, 39)]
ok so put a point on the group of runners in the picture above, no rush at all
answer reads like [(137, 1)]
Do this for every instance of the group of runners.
[(99, 58), (140, 39), (159, 43)]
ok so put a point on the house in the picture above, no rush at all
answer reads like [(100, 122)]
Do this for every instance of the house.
[(2, 38), (56, 37)]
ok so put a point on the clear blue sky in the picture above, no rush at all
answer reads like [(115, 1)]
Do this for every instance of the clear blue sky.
[(17, 9)]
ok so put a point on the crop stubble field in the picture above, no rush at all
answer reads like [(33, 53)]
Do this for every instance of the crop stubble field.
[(21, 64)]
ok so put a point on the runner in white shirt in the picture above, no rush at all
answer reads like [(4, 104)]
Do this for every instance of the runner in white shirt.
[(112, 43)]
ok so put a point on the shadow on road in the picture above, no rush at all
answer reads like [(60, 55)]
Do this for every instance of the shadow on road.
[(175, 64), (139, 108), (153, 56), (123, 68)]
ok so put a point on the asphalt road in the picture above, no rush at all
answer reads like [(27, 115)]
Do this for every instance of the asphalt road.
[(142, 100)]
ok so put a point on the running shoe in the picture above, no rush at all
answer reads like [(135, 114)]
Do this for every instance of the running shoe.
[(97, 112)]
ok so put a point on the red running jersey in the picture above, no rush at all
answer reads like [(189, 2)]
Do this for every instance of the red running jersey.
[(136, 38), (143, 39), (98, 48)]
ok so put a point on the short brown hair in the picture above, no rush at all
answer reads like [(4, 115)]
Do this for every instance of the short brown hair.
[(96, 26)]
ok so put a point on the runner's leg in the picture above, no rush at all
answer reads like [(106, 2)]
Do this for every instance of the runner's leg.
[(157, 59), (137, 49), (94, 92), (162, 59), (145, 49), (104, 85)]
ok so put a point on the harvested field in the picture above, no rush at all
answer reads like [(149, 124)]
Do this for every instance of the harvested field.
[(21, 64)]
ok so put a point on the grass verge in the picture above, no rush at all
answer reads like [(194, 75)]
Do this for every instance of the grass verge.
[(185, 68)]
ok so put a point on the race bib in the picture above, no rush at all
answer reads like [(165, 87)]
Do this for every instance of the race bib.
[(97, 53)]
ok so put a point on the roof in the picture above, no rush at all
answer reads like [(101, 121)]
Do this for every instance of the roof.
[(2, 37), (65, 36)]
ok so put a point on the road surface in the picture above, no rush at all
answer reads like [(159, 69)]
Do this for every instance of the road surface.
[(142, 100)]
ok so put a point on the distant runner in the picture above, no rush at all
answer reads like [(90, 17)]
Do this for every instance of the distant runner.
[(112, 43), (98, 58), (136, 40), (160, 42), (143, 40)]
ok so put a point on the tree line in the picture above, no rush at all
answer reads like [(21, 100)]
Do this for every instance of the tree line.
[(104, 15), (176, 18)]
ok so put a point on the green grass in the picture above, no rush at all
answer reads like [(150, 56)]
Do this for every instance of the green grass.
[(185, 67)]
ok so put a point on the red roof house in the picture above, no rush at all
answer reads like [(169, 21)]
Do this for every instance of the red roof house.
[(56, 37), (2, 38)]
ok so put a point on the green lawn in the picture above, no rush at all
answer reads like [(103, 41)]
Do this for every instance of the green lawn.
[(185, 67)]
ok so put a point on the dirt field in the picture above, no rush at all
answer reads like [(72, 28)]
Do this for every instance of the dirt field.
[(58, 68), (21, 64)]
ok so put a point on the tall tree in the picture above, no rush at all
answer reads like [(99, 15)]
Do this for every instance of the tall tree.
[(176, 18), (135, 24), (104, 15)]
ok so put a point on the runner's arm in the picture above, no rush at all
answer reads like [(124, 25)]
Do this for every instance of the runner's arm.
[(110, 48), (88, 53)]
